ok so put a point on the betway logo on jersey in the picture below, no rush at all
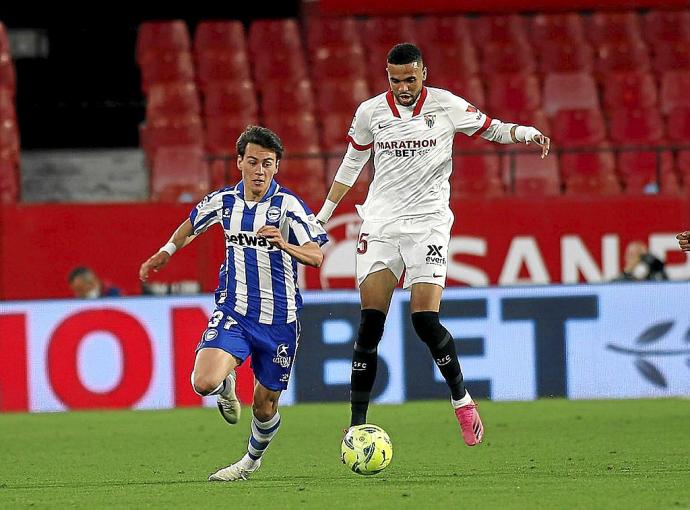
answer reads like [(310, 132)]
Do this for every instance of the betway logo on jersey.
[(249, 240), (406, 148)]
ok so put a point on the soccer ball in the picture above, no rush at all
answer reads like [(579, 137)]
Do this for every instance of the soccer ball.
[(366, 449)]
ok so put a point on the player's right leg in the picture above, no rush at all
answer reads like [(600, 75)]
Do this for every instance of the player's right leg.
[(375, 292)]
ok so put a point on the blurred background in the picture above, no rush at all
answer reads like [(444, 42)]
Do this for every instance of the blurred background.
[(113, 125)]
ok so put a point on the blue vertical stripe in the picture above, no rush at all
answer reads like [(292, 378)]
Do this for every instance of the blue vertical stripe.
[(278, 276), (251, 267), (292, 239)]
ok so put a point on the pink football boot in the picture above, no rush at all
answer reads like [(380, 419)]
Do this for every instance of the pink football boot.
[(470, 423)]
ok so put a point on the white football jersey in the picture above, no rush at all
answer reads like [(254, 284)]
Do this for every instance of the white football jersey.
[(413, 149)]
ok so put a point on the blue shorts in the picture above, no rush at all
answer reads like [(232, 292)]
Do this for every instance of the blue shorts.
[(272, 347)]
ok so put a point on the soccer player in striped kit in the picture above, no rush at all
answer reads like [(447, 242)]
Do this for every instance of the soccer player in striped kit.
[(268, 230), (406, 216)]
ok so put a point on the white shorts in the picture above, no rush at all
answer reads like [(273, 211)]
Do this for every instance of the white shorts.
[(416, 245)]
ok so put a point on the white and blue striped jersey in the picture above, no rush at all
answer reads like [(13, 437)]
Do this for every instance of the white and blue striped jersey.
[(258, 280)]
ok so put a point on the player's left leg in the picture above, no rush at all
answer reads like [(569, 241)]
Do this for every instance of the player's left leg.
[(424, 305), (273, 353), (265, 425)]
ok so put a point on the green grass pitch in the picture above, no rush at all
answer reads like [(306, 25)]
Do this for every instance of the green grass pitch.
[(545, 454)]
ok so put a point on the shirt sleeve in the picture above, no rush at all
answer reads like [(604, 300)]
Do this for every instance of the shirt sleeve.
[(206, 213), (466, 118), (303, 224), (360, 135)]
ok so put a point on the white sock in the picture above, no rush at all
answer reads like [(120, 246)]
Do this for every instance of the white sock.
[(463, 401), (227, 391)]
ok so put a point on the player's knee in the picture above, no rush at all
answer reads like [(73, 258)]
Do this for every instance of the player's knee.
[(264, 408), (204, 384), (370, 329), (429, 328)]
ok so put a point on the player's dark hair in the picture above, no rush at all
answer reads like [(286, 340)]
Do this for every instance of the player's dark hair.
[(77, 272), (404, 53), (260, 136)]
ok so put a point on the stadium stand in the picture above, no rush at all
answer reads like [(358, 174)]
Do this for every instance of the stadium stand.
[(608, 87)]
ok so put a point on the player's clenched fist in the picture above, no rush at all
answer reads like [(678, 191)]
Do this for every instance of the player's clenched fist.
[(684, 240)]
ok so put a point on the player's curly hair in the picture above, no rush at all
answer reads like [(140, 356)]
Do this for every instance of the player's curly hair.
[(260, 136), (404, 53)]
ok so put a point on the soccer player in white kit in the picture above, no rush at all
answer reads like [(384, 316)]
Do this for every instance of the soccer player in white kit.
[(406, 216)]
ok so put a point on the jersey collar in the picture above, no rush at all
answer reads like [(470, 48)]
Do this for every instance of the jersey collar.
[(272, 188), (417, 108)]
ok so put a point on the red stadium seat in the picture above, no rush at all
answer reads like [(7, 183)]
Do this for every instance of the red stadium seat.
[(501, 58), (683, 163), (671, 55), (296, 98), (324, 31), (169, 131), (287, 65), (9, 141), (341, 95), (334, 128), (629, 90), (465, 86), (513, 92), (219, 35), (451, 61), (378, 81), (546, 29), (7, 108), (162, 37), (662, 26), (476, 175), (222, 131), (578, 128), (531, 176), (678, 125), (498, 29), (267, 35), (166, 67), (388, 31), (338, 62), (435, 32), (589, 173), (569, 91), (621, 56), (8, 79), (222, 172), (298, 131), (607, 27), (9, 182), (565, 58), (647, 172), (4, 40), (636, 127), (170, 99), (674, 90), (222, 66), (229, 98), (179, 174)]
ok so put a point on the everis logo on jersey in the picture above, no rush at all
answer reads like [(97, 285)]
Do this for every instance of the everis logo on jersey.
[(249, 240)]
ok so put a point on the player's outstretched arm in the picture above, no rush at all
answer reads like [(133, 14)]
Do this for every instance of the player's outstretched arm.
[(309, 254), (180, 238), (345, 177), (528, 134), (684, 240)]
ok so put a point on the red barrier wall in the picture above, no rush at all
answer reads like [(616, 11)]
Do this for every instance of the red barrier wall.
[(39, 244), (402, 7)]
